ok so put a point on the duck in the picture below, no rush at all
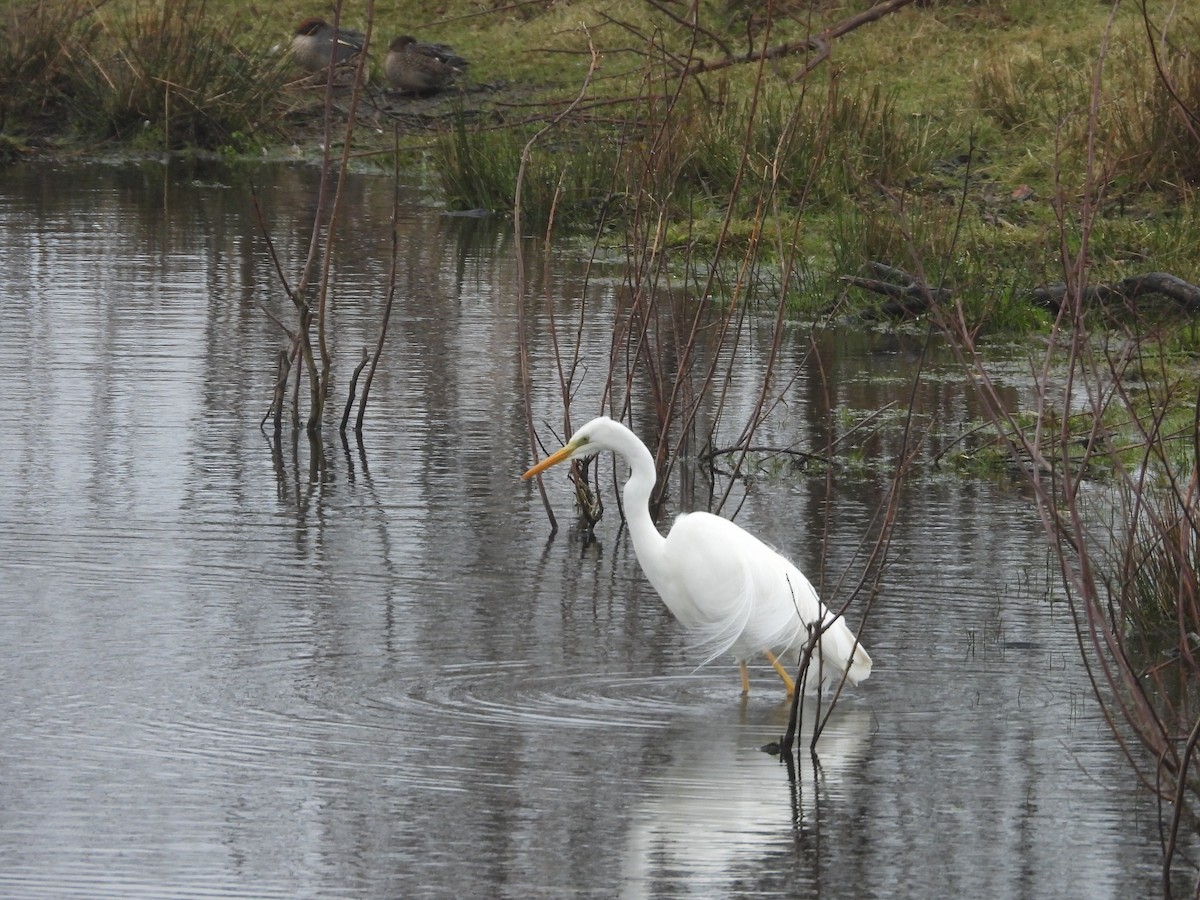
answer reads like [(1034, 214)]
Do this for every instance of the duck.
[(315, 40), (418, 67)]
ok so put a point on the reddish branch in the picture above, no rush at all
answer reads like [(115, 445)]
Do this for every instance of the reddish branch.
[(818, 44)]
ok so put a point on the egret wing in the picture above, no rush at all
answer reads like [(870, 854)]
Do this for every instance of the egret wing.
[(725, 579), (737, 594)]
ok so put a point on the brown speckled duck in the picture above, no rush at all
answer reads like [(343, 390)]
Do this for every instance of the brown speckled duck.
[(420, 68), (316, 39)]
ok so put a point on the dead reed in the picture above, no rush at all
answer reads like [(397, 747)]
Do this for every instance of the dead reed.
[(35, 59), (308, 358), (159, 76)]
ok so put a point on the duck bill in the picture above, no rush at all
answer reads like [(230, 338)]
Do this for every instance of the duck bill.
[(552, 460)]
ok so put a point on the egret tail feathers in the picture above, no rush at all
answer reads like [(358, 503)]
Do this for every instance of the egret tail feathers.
[(838, 653), (860, 666)]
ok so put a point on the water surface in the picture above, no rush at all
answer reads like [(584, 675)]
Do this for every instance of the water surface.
[(234, 669)]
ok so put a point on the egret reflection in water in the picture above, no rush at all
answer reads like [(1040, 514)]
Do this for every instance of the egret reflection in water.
[(723, 812)]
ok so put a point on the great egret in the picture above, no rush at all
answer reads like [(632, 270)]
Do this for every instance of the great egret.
[(719, 580)]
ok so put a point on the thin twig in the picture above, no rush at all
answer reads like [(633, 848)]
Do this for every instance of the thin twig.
[(523, 339), (391, 286)]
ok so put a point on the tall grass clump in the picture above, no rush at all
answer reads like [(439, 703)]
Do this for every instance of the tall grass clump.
[(477, 169), (1156, 574), (167, 76), (35, 59), (710, 156), (875, 145), (1025, 90), (571, 176), (1155, 117)]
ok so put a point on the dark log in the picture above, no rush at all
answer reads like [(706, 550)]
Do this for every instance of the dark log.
[(908, 298), (1184, 293)]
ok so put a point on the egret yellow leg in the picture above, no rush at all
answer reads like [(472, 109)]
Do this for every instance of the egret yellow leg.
[(783, 673), (745, 679)]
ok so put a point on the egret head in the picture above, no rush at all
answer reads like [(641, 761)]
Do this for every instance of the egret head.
[(589, 440)]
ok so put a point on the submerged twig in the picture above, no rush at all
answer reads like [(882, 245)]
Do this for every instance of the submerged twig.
[(351, 393), (385, 320)]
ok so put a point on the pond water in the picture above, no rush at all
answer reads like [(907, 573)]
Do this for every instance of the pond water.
[(234, 669)]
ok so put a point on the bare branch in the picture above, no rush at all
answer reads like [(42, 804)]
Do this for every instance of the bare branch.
[(818, 44)]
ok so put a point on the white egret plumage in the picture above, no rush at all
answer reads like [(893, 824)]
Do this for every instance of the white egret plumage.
[(731, 589)]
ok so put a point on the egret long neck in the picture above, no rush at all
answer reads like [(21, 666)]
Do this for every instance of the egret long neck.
[(647, 542)]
